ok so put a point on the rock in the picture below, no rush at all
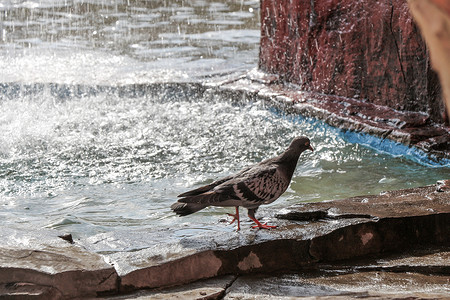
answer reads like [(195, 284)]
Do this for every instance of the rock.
[(401, 219), (347, 236), (412, 129), (369, 51), (388, 285), (421, 273), (20, 290), (39, 264), (366, 285), (427, 260), (67, 237), (206, 254), (336, 230), (391, 204), (201, 290), (392, 277), (285, 286), (359, 66)]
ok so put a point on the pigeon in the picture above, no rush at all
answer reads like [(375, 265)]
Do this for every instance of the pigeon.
[(257, 184)]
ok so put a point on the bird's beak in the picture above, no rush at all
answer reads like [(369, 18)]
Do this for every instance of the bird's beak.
[(311, 148)]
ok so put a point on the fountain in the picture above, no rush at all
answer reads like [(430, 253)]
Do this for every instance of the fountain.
[(109, 109)]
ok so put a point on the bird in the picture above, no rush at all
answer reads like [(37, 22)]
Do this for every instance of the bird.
[(258, 184)]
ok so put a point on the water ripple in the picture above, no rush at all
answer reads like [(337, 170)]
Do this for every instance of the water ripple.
[(103, 161)]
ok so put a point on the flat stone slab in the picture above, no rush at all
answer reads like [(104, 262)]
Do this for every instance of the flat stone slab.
[(390, 204), (310, 237), (371, 285), (409, 128), (39, 263), (214, 288), (168, 260), (422, 273), (307, 234)]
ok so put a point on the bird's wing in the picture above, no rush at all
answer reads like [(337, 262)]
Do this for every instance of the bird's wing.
[(205, 188), (249, 188), (208, 187), (254, 187)]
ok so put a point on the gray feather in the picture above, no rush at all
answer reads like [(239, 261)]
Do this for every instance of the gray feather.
[(258, 184)]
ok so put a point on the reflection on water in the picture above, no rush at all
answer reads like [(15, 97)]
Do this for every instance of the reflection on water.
[(102, 162)]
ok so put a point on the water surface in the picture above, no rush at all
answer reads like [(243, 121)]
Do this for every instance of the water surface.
[(101, 163), (126, 42), (94, 160)]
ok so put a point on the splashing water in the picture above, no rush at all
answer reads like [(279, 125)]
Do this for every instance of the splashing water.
[(101, 162), (126, 42), (88, 160)]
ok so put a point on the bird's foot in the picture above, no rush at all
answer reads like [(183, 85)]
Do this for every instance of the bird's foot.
[(264, 226), (259, 225), (236, 218)]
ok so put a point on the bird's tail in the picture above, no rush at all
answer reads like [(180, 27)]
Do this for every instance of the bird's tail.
[(184, 209), (191, 204)]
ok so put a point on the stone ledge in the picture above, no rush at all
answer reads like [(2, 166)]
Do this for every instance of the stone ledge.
[(42, 265), (331, 236), (358, 227), (366, 285), (391, 204), (415, 274), (409, 128)]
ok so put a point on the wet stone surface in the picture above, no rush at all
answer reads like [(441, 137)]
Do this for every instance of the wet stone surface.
[(204, 289), (41, 263), (407, 202), (385, 285), (405, 127), (332, 253), (365, 51), (420, 274)]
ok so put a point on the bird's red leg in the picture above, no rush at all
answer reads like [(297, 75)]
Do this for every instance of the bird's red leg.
[(236, 218), (251, 215), (259, 225)]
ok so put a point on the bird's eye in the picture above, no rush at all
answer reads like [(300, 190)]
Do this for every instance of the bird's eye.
[(307, 144)]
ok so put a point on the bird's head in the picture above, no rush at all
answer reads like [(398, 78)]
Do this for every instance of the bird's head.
[(292, 153), (301, 143)]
